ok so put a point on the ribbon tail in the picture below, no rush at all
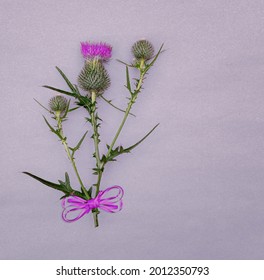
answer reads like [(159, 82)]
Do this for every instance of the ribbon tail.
[(66, 212), (74, 204)]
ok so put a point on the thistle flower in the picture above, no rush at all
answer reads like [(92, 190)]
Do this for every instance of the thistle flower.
[(143, 49), (58, 104), (94, 77), (100, 51)]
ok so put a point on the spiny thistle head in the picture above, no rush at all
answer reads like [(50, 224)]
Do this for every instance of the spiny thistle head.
[(143, 49), (100, 51), (94, 77), (58, 104)]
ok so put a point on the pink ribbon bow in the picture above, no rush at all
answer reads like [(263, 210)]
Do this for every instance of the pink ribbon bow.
[(82, 206)]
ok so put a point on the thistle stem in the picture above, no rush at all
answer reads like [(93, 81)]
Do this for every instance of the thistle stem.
[(96, 142), (96, 136), (97, 154), (70, 156), (129, 106), (95, 217)]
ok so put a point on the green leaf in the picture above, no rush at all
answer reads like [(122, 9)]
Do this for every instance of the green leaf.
[(129, 65), (140, 141), (47, 183), (85, 101), (53, 130), (76, 89), (71, 86), (110, 103), (50, 127), (60, 91), (96, 170), (154, 59), (128, 85), (42, 106), (90, 191), (77, 147), (66, 110), (73, 109), (67, 183), (64, 187), (120, 150)]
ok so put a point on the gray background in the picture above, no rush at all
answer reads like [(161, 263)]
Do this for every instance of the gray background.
[(194, 189)]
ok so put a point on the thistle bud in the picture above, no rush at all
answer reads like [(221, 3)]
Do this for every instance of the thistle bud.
[(143, 49), (58, 104), (94, 77)]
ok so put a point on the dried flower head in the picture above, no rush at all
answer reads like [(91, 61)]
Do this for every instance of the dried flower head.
[(143, 49), (94, 77), (58, 103), (101, 51)]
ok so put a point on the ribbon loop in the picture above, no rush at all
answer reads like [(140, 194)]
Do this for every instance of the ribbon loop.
[(79, 207)]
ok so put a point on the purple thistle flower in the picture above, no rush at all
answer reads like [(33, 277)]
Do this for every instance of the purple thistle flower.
[(96, 50)]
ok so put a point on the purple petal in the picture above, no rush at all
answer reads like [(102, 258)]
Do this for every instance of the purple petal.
[(96, 50)]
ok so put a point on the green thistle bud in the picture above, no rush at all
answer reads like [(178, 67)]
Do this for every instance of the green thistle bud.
[(94, 77), (58, 103), (143, 49)]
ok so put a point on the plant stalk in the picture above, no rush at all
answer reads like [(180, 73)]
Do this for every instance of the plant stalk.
[(97, 154), (129, 106), (69, 154), (95, 217), (96, 142)]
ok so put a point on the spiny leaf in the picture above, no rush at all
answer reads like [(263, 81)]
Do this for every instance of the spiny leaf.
[(103, 159), (85, 102), (77, 89), (140, 141), (129, 65), (42, 106), (60, 91), (154, 59), (50, 127), (66, 110), (98, 118), (73, 109), (90, 191), (77, 147), (63, 186), (47, 183), (88, 120), (96, 170), (71, 86), (74, 192), (54, 131), (128, 85), (120, 150), (67, 182)]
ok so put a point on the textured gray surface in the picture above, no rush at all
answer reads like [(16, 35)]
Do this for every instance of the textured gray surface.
[(194, 190)]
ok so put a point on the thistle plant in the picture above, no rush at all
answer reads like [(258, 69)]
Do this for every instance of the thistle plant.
[(93, 81)]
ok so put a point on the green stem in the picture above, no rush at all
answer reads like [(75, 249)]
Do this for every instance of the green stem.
[(96, 142), (69, 154), (96, 136), (95, 217), (129, 106), (97, 155)]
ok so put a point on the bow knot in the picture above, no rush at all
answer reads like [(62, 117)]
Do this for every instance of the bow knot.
[(93, 203), (79, 206)]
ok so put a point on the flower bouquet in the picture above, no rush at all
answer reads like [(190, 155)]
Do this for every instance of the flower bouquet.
[(93, 81)]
